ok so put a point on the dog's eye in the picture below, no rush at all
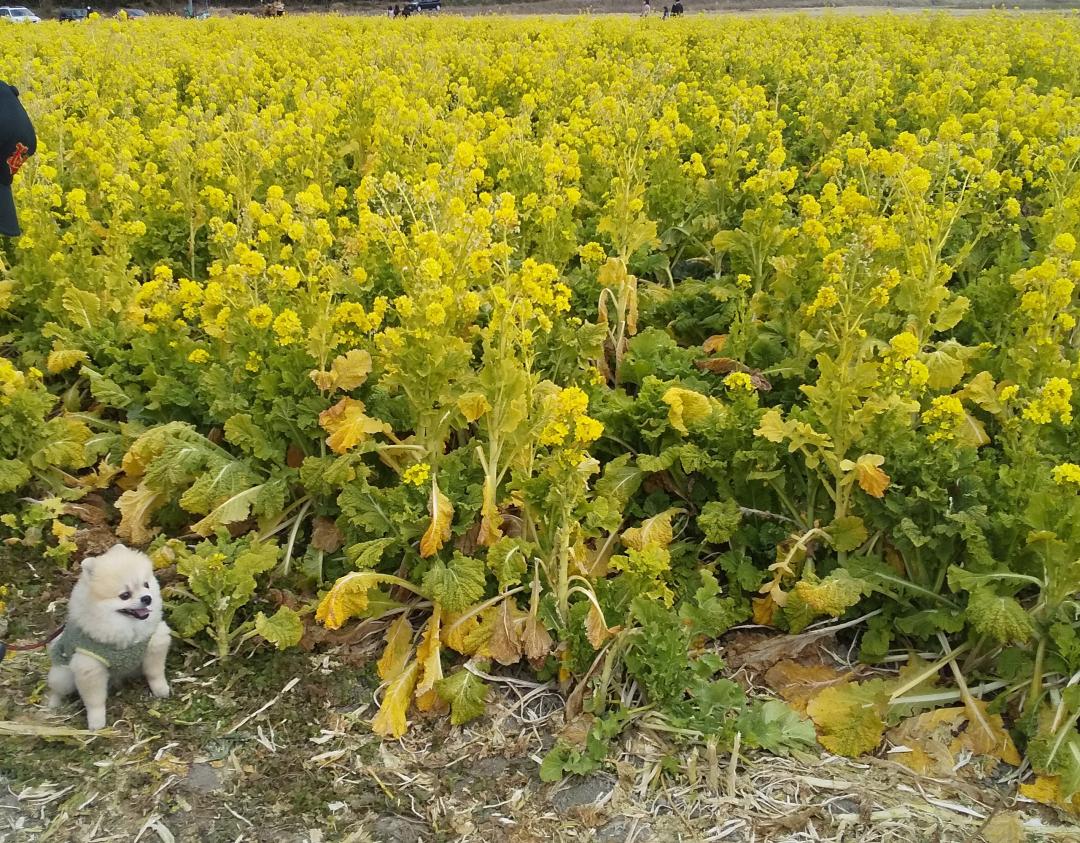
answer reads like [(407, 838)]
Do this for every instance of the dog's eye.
[(126, 595), (146, 585)]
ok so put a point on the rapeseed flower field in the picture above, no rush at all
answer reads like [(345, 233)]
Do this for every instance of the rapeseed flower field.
[(572, 344)]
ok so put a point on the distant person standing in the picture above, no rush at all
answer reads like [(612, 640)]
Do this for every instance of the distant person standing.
[(17, 143), (665, 13), (676, 8), (645, 8)]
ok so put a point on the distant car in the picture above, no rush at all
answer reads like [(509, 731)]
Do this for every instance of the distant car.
[(72, 15), (18, 14), (131, 14), (417, 6)]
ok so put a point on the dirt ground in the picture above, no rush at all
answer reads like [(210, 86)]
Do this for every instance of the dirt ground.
[(277, 747)]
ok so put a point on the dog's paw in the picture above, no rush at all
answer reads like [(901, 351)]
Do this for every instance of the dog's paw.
[(160, 689), (95, 720), (55, 702)]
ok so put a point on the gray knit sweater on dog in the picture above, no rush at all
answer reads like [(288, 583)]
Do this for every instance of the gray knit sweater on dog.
[(121, 661)]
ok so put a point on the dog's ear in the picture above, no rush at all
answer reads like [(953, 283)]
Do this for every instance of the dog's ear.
[(87, 566)]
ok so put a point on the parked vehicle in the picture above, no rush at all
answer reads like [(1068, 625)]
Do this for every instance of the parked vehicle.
[(131, 14), (72, 15), (417, 6), (18, 14)]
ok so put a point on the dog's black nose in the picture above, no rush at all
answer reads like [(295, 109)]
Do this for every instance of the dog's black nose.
[(147, 599)]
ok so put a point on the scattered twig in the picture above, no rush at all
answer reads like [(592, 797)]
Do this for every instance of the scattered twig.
[(291, 684)]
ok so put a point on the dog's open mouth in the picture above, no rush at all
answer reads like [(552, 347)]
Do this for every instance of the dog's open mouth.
[(140, 614)]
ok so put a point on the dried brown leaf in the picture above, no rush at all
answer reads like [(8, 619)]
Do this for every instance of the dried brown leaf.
[(797, 682), (325, 535), (505, 641)]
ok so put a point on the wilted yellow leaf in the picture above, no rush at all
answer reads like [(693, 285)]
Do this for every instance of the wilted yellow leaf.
[(1004, 827), (714, 343), (62, 359), (1047, 790), (490, 517), (473, 405), (972, 432), (868, 473), (145, 449), (348, 597), (458, 634), (653, 531), (347, 371), (390, 721), (849, 717), (351, 369), (764, 610), (438, 531), (398, 647), (686, 407), (348, 426), (429, 657), (772, 427), (322, 379), (596, 628), (100, 477), (612, 273), (136, 506)]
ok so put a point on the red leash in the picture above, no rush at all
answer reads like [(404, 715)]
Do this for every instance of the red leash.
[(22, 648)]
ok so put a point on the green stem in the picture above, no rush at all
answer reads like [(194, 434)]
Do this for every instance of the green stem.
[(221, 634), (1035, 689), (286, 562)]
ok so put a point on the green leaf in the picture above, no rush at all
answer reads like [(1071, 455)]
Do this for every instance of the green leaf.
[(236, 508), (927, 622), (13, 474), (466, 694), (188, 619), (82, 307), (719, 520), (366, 555), (270, 502), (258, 558), (458, 585), (847, 533), (1000, 618), (949, 316), (620, 479), (834, 595), (216, 480), (507, 560), (947, 364), (105, 390), (553, 767), (709, 613), (775, 727), (283, 629), (63, 444), (242, 431), (654, 464)]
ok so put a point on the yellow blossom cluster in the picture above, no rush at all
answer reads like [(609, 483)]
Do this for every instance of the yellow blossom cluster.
[(1054, 401), (568, 425)]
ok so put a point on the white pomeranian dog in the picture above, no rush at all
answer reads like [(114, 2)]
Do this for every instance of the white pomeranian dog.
[(114, 630)]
